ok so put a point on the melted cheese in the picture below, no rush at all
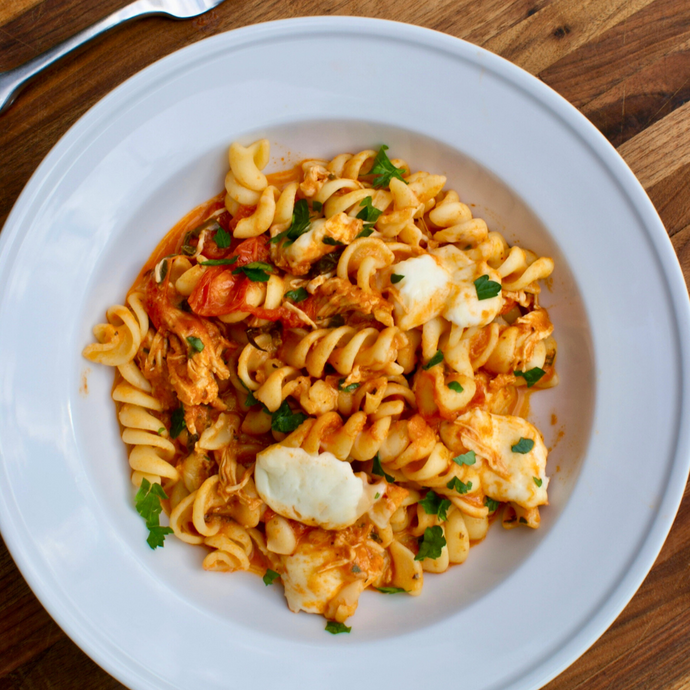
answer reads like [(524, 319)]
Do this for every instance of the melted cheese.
[(463, 307), (422, 293), (317, 490), (507, 475)]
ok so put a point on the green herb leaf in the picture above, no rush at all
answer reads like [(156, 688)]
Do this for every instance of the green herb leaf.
[(455, 386), (349, 388), (491, 504), (434, 504), (335, 628), (486, 289), (300, 224), (468, 458), (456, 485), (251, 400), (316, 206), (256, 271), (432, 543), (332, 241), (270, 577), (537, 481), (531, 375), (524, 445), (298, 295), (177, 423), (219, 262), (379, 471), (365, 233), (195, 343), (383, 170), (523, 521), (396, 278), (391, 590), (284, 420), (222, 239), (377, 495), (436, 359), (148, 504), (369, 214)]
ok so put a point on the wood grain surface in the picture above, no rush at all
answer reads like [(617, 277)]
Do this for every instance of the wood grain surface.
[(624, 63)]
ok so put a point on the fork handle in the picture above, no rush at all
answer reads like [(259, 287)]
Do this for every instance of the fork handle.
[(14, 80)]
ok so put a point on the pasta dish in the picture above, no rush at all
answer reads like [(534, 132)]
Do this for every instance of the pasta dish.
[(322, 377)]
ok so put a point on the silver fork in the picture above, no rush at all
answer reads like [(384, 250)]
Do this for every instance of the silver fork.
[(14, 80)]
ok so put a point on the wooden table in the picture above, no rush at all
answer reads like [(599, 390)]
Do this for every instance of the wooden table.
[(624, 63)]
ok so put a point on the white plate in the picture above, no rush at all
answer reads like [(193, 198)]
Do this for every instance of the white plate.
[(525, 604)]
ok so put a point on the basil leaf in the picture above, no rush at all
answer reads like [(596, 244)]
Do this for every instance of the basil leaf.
[(436, 359), (486, 289), (468, 458), (456, 484), (298, 295), (455, 386), (270, 577), (336, 628), (383, 170), (524, 445), (219, 262), (391, 590), (531, 376), (284, 420), (396, 278), (379, 471), (177, 423), (432, 543), (222, 239), (195, 343)]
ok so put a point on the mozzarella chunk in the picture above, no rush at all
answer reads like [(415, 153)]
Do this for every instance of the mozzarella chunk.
[(309, 584), (505, 474), (422, 292), (463, 307), (317, 490)]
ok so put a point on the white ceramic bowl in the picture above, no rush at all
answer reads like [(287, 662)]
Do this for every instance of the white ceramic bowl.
[(525, 604)]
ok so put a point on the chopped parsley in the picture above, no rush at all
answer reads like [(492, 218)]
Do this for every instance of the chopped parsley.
[(148, 504), (468, 458), (524, 445), (365, 233), (316, 206), (383, 170), (537, 481), (369, 214), (298, 295), (436, 359), (177, 423), (284, 420), (456, 485), (219, 262), (377, 496), (523, 521), (432, 543), (222, 238), (486, 289), (332, 241), (379, 471), (270, 577), (391, 590), (434, 504), (531, 375), (491, 504), (195, 343), (396, 278), (349, 388), (256, 271), (336, 628), (299, 225), (251, 400), (455, 386)]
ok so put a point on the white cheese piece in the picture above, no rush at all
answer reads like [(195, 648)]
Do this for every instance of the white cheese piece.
[(422, 292), (505, 474), (463, 307), (317, 490)]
